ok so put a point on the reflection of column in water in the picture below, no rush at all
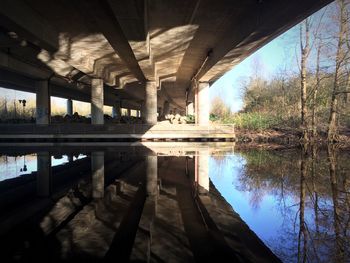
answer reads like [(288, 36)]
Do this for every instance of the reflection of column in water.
[(150, 206), (97, 169), (151, 174), (70, 158), (202, 169), (43, 177)]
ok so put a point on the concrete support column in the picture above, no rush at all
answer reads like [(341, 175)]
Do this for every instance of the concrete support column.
[(128, 112), (98, 174), (150, 103), (166, 108), (97, 101), (69, 107), (190, 108), (202, 103), (43, 176), (43, 103), (142, 111), (202, 169), (116, 110), (151, 175)]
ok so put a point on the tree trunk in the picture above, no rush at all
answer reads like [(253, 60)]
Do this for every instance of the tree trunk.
[(305, 50), (332, 123), (339, 246), (314, 97), (302, 238)]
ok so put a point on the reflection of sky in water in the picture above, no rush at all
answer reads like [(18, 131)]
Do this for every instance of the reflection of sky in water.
[(11, 167), (273, 218)]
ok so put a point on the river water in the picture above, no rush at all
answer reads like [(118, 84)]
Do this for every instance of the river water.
[(174, 202)]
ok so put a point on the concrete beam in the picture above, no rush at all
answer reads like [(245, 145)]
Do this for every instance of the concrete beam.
[(20, 18), (103, 16)]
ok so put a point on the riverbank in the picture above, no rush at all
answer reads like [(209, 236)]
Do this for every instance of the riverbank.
[(283, 138)]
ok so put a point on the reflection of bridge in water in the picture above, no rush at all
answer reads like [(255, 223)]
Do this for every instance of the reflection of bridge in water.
[(125, 204)]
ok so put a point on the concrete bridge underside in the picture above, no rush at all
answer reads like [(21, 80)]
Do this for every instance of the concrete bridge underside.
[(147, 55)]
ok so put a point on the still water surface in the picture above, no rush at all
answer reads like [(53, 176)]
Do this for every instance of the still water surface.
[(296, 202)]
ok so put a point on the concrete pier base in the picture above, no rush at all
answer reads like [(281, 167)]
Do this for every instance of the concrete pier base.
[(97, 101), (43, 104), (97, 170), (43, 179)]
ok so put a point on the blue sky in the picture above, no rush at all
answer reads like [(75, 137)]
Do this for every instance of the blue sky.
[(273, 57)]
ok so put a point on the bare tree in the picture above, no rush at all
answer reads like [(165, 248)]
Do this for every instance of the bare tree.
[(305, 51), (340, 59), (314, 94)]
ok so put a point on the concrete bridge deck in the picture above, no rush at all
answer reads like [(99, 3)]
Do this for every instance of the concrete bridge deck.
[(115, 132), (153, 57)]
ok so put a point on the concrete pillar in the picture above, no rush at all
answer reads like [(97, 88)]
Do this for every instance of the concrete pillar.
[(142, 111), (190, 108), (69, 107), (202, 103), (116, 110), (202, 169), (166, 108), (43, 177), (151, 175), (128, 112), (150, 103), (98, 174), (97, 101), (43, 103)]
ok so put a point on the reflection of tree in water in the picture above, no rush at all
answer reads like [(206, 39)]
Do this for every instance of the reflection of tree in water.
[(222, 161), (312, 192)]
